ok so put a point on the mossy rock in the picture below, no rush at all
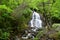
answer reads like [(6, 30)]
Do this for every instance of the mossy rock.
[(55, 36), (55, 25)]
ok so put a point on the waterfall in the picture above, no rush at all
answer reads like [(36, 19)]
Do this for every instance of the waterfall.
[(35, 24), (36, 21)]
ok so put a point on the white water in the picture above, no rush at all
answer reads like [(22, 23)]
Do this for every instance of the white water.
[(35, 23)]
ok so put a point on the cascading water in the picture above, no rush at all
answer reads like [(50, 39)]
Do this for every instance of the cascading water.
[(36, 21), (35, 24)]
